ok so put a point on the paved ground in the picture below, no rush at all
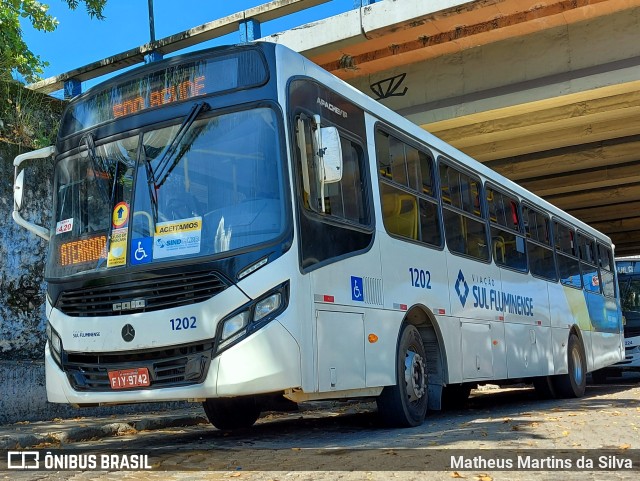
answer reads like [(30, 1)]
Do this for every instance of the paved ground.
[(346, 441)]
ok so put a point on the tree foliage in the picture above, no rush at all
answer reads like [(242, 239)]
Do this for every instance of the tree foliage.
[(14, 52)]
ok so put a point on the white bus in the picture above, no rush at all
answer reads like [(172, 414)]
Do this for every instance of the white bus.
[(238, 226)]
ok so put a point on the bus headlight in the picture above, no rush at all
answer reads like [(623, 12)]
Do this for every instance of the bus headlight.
[(55, 343), (267, 306), (235, 324), (252, 316)]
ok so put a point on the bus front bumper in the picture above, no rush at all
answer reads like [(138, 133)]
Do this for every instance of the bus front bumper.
[(267, 361)]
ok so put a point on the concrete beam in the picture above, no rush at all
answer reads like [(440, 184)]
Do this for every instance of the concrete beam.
[(608, 212), (597, 197), (582, 180), (577, 132), (173, 43), (576, 157)]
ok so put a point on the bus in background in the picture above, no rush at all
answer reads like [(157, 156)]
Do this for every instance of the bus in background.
[(238, 227), (629, 282)]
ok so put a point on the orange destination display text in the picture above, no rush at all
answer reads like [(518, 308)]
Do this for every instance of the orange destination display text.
[(182, 91), (84, 250)]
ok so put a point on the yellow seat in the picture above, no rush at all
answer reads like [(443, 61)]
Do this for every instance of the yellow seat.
[(400, 213)]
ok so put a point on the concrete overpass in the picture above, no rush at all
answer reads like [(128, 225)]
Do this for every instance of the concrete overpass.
[(547, 93)]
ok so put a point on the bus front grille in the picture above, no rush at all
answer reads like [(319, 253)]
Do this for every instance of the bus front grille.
[(169, 367), (160, 292)]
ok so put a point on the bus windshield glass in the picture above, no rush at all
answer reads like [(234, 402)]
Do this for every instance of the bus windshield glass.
[(202, 188), (630, 297)]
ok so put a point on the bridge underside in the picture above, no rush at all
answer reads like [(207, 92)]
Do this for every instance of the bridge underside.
[(547, 94)]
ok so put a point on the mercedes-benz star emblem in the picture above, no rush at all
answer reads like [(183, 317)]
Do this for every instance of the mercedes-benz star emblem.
[(128, 333)]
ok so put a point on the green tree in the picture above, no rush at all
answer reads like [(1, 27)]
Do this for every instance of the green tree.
[(14, 53)]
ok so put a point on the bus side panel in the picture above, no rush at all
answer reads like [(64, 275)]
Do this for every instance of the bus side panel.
[(346, 297), (413, 274), (416, 275), (568, 308), (606, 336), (452, 345), (525, 302), (475, 292)]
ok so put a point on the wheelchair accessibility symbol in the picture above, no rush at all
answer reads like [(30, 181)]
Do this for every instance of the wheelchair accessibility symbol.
[(357, 289), (139, 253), (141, 250)]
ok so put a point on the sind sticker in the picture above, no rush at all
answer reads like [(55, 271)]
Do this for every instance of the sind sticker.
[(177, 238), (118, 248)]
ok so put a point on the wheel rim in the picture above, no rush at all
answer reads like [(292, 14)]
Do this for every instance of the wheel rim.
[(577, 366), (415, 376)]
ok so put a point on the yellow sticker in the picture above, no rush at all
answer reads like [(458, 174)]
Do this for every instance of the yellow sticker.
[(118, 248), (120, 215)]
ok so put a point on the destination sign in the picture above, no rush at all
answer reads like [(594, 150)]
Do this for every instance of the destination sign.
[(83, 251), (176, 82)]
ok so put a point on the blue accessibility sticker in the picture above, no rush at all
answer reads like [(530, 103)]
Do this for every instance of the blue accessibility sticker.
[(357, 289), (141, 250)]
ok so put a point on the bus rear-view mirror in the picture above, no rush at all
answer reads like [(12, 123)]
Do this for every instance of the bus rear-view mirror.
[(331, 155), (18, 190)]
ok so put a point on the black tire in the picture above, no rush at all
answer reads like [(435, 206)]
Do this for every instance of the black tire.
[(455, 396), (544, 387), (230, 414), (573, 383), (405, 403)]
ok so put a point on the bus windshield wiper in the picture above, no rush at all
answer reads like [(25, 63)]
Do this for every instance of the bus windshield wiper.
[(98, 171), (159, 175), (151, 184)]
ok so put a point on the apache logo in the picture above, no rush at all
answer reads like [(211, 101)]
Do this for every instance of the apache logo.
[(459, 283), (333, 108)]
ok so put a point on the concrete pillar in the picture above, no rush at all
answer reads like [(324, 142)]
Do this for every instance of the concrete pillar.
[(249, 30), (152, 57), (72, 87)]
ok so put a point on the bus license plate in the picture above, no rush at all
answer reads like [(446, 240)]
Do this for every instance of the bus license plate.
[(127, 378)]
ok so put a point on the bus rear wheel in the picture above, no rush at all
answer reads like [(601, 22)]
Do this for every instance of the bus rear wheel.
[(573, 383), (405, 403), (228, 414)]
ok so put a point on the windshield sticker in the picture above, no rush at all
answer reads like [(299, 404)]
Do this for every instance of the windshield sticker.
[(64, 226), (118, 248), (120, 215), (141, 250), (177, 238)]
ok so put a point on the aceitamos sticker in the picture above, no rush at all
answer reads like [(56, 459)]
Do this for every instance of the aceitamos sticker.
[(177, 238)]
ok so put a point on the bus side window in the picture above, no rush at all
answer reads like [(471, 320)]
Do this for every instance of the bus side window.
[(506, 232), (539, 249), (344, 199), (409, 208), (464, 224), (567, 253), (588, 263), (607, 269)]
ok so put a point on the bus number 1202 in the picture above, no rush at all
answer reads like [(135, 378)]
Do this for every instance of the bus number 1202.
[(420, 278), (179, 324)]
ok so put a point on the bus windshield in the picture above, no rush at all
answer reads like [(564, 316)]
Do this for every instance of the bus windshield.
[(201, 188), (630, 297)]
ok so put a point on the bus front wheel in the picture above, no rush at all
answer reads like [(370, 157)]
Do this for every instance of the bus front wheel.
[(574, 382), (405, 403), (233, 413)]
